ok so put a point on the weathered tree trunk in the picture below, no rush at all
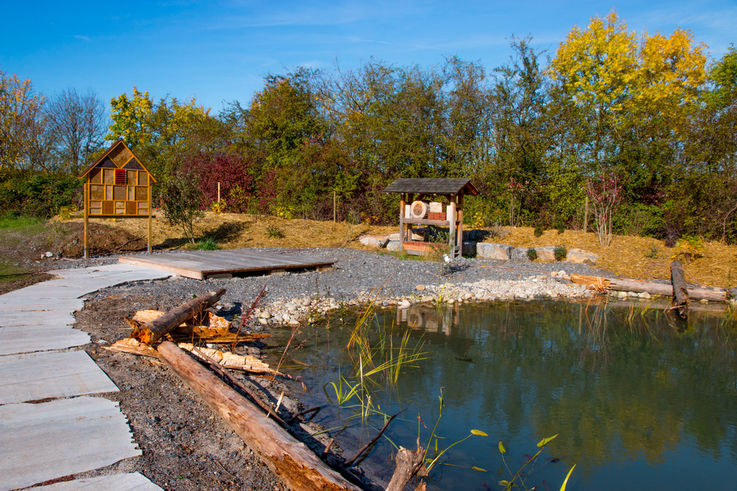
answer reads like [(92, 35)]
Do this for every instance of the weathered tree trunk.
[(290, 459), (154, 331), (652, 287), (680, 290), (408, 464)]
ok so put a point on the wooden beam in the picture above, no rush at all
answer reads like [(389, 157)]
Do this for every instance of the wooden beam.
[(86, 215), (288, 458)]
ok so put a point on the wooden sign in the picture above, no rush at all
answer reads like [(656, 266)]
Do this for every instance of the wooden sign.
[(117, 185)]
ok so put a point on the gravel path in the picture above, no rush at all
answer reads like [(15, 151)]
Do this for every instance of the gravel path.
[(355, 273)]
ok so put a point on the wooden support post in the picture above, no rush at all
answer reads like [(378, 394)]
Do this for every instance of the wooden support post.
[(288, 458), (452, 233), (148, 248), (401, 222), (86, 215), (460, 225)]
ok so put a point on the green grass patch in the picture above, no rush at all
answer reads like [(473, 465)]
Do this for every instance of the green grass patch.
[(207, 244), (10, 271), (20, 222)]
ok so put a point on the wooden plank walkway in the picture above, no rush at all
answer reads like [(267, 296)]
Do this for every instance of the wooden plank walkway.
[(202, 264)]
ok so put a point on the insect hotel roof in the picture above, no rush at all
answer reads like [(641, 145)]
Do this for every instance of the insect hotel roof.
[(423, 185)]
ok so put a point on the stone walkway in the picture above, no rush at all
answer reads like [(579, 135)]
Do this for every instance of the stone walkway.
[(53, 422)]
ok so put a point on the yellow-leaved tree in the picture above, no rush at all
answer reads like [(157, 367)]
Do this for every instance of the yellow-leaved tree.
[(20, 114)]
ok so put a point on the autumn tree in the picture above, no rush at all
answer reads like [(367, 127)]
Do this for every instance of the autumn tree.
[(162, 133), (76, 126), (21, 122)]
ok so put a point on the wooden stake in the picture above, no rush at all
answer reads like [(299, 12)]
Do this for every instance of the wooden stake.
[(288, 458), (148, 248), (86, 215), (218, 191)]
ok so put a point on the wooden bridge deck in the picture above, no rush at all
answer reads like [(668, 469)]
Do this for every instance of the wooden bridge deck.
[(203, 264)]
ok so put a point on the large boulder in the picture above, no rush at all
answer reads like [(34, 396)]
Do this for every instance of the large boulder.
[(374, 240), (581, 256), (545, 254), (520, 254), (392, 245), (488, 250)]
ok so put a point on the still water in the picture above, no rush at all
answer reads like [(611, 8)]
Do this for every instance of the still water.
[(639, 400)]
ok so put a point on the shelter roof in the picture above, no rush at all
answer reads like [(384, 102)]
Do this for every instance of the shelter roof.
[(118, 156), (432, 186)]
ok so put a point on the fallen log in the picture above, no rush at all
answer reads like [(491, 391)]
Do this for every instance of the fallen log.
[(288, 458), (651, 287), (152, 332), (680, 291)]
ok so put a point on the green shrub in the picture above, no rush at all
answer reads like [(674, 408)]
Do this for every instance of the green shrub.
[(538, 231), (208, 244), (181, 199), (274, 232), (39, 194), (531, 254), (560, 252), (560, 226), (652, 253)]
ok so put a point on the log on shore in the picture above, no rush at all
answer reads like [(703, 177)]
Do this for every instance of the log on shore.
[(152, 332), (288, 458), (652, 287), (680, 290), (408, 464)]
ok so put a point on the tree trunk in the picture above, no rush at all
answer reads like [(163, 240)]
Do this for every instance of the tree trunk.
[(288, 458), (680, 290), (652, 287), (152, 332)]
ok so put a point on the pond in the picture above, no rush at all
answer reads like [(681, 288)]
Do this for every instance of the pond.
[(638, 399)]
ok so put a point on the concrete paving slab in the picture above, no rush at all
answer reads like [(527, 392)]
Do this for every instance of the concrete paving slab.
[(41, 318), (36, 376), (27, 339), (39, 442), (117, 482)]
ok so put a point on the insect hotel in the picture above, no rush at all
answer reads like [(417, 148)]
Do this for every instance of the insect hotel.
[(117, 185), (431, 202)]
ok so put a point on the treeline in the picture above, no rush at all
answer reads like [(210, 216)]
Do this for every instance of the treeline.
[(644, 126)]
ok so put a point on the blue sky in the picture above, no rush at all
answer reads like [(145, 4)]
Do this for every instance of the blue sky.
[(221, 51)]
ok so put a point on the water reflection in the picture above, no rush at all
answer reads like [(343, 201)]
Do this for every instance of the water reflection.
[(636, 402)]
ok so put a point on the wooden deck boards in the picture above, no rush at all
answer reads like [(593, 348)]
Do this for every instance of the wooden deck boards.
[(201, 264)]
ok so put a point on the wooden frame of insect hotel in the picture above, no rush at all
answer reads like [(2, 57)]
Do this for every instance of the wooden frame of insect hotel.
[(117, 185), (415, 208)]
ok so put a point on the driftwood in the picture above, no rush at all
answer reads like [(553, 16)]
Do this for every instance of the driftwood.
[(154, 331), (680, 290), (652, 287), (408, 464), (291, 460)]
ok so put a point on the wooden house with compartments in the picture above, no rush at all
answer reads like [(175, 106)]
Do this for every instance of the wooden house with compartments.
[(117, 185)]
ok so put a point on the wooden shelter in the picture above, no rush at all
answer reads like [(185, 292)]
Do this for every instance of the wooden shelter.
[(117, 185), (415, 209)]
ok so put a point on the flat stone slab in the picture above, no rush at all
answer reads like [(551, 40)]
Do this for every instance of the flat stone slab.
[(27, 339), (36, 376), (117, 482), (39, 442)]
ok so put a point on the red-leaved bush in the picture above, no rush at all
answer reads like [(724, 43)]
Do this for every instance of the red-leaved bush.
[(233, 172)]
